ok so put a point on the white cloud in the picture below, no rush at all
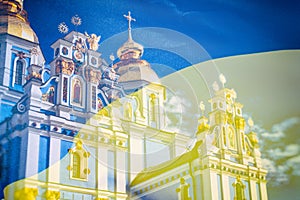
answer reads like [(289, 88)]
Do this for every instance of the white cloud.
[(269, 164), (290, 150), (285, 124), (295, 164), (280, 157), (274, 136), (175, 105), (179, 113)]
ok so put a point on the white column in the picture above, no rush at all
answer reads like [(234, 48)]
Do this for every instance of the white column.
[(54, 160), (32, 160), (253, 192), (121, 172), (102, 169), (7, 64), (136, 156), (211, 185), (263, 191), (225, 187)]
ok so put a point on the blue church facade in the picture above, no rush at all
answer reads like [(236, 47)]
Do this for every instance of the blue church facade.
[(79, 128), (68, 128)]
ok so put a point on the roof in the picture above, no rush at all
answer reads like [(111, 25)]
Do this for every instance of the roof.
[(135, 69), (157, 170)]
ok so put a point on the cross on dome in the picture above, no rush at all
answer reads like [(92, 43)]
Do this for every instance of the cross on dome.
[(130, 49), (129, 18)]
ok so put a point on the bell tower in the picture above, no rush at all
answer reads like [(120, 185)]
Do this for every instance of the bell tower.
[(142, 85), (229, 124), (20, 55), (137, 77), (230, 158)]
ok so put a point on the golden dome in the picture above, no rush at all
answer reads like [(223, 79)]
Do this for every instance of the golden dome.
[(130, 49), (136, 70), (13, 20), (130, 67)]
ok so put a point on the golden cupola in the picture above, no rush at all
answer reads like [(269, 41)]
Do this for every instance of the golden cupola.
[(134, 72), (13, 20), (130, 49)]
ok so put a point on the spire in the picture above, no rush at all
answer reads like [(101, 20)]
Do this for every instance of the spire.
[(129, 18), (130, 49)]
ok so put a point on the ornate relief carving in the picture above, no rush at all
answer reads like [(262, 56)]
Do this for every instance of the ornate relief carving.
[(92, 75), (63, 66), (52, 195), (26, 194)]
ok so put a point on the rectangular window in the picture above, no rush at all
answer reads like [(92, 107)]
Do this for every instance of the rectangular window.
[(94, 97), (19, 72), (111, 171), (65, 90)]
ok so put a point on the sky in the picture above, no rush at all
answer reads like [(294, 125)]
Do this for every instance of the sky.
[(222, 28), (199, 30)]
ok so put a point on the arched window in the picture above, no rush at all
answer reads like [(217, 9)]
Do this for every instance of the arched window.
[(77, 92), (224, 137), (51, 94), (152, 113), (128, 111), (231, 138), (19, 72), (78, 162), (153, 110), (76, 165)]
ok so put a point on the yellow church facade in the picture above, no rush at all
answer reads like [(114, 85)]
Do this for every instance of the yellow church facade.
[(80, 128)]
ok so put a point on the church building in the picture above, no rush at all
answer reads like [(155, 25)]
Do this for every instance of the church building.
[(82, 129)]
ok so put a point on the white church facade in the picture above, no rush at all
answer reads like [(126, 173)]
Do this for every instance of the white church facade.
[(80, 128)]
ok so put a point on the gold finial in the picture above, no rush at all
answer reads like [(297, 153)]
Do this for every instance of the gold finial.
[(250, 122), (202, 107), (129, 18), (79, 144), (152, 96), (215, 86), (222, 79)]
